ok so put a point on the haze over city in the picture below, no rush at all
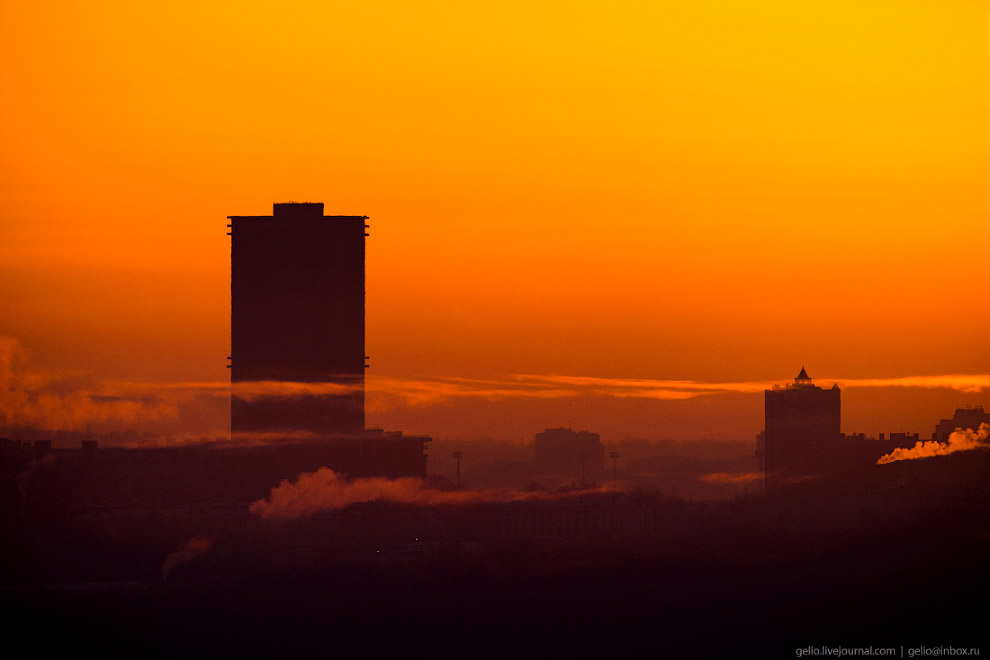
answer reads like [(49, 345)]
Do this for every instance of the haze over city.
[(522, 330), (665, 193)]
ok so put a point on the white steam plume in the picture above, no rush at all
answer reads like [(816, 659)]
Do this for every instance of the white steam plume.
[(959, 440)]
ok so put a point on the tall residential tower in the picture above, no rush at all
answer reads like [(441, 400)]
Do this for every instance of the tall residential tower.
[(801, 433), (297, 322)]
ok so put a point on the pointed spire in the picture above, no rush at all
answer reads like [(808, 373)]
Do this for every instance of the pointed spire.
[(803, 375)]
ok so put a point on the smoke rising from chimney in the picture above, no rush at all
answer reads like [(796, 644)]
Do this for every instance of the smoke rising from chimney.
[(325, 490), (959, 440), (194, 547)]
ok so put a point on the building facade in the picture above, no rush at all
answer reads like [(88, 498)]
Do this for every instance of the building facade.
[(297, 322), (801, 433), (578, 455)]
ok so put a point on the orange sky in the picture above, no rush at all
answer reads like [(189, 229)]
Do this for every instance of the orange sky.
[(693, 190)]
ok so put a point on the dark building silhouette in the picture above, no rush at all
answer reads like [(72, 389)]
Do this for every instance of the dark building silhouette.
[(963, 418), (801, 432), (297, 337), (297, 316), (574, 454), (297, 346), (49, 483)]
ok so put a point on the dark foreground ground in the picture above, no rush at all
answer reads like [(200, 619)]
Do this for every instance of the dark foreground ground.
[(385, 581)]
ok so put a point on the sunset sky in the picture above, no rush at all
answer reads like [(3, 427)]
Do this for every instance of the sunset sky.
[(694, 191)]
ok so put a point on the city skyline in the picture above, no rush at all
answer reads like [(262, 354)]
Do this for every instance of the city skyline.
[(305, 300), (576, 328), (669, 193)]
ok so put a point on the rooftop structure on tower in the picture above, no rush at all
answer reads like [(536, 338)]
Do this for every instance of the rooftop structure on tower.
[(802, 427)]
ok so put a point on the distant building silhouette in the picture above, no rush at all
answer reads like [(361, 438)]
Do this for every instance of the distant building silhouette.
[(761, 451), (41, 480), (801, 432), (964, 418), (575, 454), (297, 316)]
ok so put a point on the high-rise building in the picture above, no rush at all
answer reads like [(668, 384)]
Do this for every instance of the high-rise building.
[(297, 322), (801, 433), (575, 454)]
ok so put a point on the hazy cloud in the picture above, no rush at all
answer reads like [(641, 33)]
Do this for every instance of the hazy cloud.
[(731, 477), (246, 390), (654, 388), (970, 383), (46, 399), (325, 490), (390, 392)]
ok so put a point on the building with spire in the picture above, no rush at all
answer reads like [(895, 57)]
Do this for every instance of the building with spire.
[(801, 433)]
